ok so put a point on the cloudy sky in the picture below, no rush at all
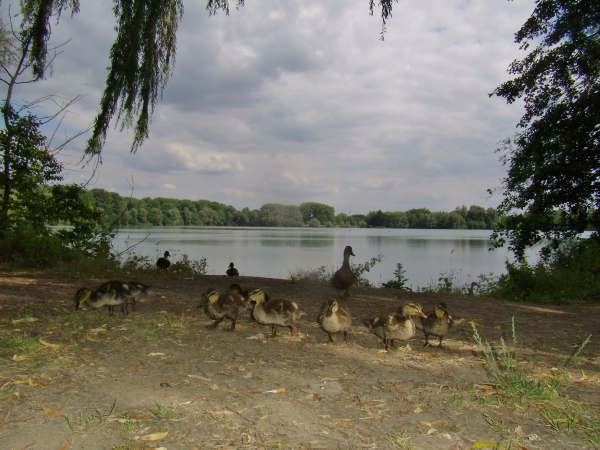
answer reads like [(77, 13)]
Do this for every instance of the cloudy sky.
[(290, 101)]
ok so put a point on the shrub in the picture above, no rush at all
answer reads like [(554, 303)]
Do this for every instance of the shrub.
[(24, 247), (360, 269), (138, 263), (187, 265), (324, 274), (399, 282), (571, 274), (320, 275)]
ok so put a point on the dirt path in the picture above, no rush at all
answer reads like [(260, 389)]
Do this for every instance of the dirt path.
[(114, 381)]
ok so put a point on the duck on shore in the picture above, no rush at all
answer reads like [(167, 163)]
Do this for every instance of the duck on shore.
[(343, 278), (232, 271), (163, 262)]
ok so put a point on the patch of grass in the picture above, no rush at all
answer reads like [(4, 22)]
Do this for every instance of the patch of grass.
[(456, 400), (486, 401), (129, 426), (558, 420), (175, 324), (496, 423), (223, 421), (510, 377), (27, 345), (539, 394), (160, 411), (6, 392), (400, 440), (87, 421), (323, 274), (145, 330)]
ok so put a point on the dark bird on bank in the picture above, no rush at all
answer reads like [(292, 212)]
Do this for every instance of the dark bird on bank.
[(164, 263), (232, 271), (344, 277)]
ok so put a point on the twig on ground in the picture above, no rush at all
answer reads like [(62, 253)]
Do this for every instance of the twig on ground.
[(6, 416), (240, 414)]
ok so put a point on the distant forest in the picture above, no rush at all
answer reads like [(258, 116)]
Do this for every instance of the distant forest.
[(160, 211)]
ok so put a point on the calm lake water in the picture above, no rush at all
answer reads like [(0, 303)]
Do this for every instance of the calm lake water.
[(273, 252)]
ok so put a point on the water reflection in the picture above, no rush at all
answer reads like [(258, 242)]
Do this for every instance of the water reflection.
[(273, 252)]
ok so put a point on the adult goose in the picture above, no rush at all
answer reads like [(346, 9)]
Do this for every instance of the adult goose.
[(344, 277)]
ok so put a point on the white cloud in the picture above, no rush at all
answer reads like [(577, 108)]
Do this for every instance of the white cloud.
[(195, 159), (169, 186), (298, 100)]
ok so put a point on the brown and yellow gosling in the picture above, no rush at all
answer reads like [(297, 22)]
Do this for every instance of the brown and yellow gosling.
[(395, 326), (335, 319), (224, 305), (437, 323), (274, 312), (109, 294)]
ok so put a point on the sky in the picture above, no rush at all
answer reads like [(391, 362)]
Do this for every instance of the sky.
[(291, 101)]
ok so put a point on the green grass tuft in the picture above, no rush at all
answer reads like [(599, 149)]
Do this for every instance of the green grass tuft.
[(542, 395)]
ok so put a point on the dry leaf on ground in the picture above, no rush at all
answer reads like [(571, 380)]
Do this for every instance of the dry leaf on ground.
[(220, 413), (48, 344), (52, 412), (274, 391), (26, 319), (155, 436)]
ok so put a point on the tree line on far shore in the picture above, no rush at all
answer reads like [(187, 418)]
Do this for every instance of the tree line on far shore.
[(124, 211)]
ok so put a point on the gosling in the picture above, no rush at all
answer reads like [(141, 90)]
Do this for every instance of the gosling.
[(225, 305), (334, 319), (274, 312)]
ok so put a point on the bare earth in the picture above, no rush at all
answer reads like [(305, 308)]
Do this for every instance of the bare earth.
[(115, 382)]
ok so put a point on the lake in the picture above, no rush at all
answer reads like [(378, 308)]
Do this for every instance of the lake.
[(274, 252)]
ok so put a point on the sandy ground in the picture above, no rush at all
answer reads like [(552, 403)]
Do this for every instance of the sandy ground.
[(101, 382)]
